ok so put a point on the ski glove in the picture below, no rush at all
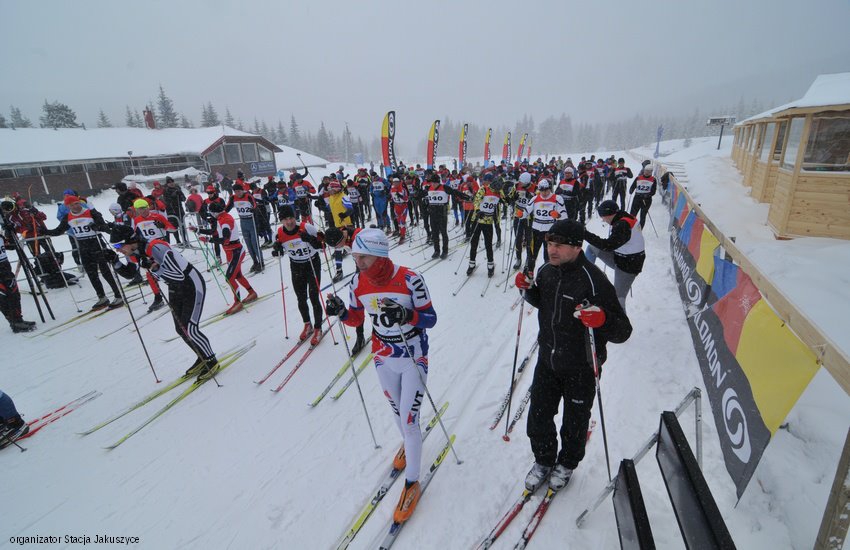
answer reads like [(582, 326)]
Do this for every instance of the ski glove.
[(277, 249), (590, 316), (395, 312), (334, 306), (523, 282), (110, 255)]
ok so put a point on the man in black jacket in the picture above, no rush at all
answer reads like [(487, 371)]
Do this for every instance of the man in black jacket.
[(571, 295), (174, 199)]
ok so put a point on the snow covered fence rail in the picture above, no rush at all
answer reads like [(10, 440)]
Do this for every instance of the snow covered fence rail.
[(747, 334)]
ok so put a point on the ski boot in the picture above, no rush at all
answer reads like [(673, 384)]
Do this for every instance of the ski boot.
[(195, 368), (135, 281), (209, 368), (517, 263), (491, 268), (359, 344), (22, 326), (470, 269), (338, 277), (400, 459), (251, 297), (436, 254), (537, 476), (407, 503), (235, 308), (560, 477), (157, 303), (308, 330), (498, 244), (102, 302), (317, 335), (444, 254)]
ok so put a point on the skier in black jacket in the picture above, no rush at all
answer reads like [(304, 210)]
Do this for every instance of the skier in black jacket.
[(174, 198), (571, 295)]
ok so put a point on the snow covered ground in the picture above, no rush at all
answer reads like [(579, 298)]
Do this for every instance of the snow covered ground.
[(242, 467)]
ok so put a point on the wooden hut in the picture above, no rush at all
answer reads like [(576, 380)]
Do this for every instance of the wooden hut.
[(797, 158)]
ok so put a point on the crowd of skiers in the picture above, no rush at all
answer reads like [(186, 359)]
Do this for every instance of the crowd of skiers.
[(544, 205)]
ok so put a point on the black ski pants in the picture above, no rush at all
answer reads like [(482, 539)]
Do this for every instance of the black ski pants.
[(304, 275), (575, 385), (523, 234), (91, 254), (619, 191), (186, 299), (537, 240), (438, 219), (487, 230), (640, 205), (10, 294)]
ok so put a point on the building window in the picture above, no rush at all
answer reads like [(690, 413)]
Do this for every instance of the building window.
[(828, 149), (265, 154), (51, 170), (6, 174), (249, 152), (767, 141), (94, 167), (780, 140), (73, 168), (795, 134), (216, 157), (22, 172), (231, 151)]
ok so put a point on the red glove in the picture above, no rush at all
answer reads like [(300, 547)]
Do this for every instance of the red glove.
[(523, 282), (590, 316), (203, 238), (554, 214)]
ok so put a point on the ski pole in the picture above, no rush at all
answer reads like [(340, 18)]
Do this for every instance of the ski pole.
[(283, 297), (8, 438), (322, 302), (462, 256), (129, 309), (64, 280), (506, 437), (354, 372), (424, 385), (211, 267), (651, 222), (592, 342)]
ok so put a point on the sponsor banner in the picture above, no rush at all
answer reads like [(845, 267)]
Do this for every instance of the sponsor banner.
[(521, 147), (487, 147), (433, 141), (506, 149), (388, 143), (754, 368), (461, 152)]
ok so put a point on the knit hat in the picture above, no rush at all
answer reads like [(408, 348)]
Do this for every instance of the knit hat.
[(70, 199), (141, 203), (285, 211), (570, 231), (372, 242), (607, 208)]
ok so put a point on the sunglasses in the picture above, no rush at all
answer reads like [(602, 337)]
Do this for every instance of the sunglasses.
[(559, 239)]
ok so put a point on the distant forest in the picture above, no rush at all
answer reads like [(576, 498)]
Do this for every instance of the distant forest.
[(555, 134)]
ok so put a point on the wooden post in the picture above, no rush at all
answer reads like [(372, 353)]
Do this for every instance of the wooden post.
[(836, 519)]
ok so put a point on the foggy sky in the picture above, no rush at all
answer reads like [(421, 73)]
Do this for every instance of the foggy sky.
[(350, 61)]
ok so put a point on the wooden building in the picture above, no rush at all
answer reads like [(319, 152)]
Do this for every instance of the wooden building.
[(796, 157), (42, 162)]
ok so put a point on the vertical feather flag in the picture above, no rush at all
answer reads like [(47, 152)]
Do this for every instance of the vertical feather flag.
[(521, 147), (506, 148), (487, 147), (529, 149), (433, 140), (461, 153), (388, 143)]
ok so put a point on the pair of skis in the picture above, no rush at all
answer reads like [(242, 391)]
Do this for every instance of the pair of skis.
[(224, 361), (504, 405), (297, 366), (35, 426), (340, 374), (517, 507), (386, 483)]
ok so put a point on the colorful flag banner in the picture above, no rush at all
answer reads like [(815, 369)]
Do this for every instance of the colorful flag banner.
[(753, 366), (521, 147), (487, 147), (461, 153), (388, 143), (433, 141), (506, 149)]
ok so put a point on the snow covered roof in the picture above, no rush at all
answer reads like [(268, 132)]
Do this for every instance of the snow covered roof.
[(826, 90), (34, 145), (288, 158)]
